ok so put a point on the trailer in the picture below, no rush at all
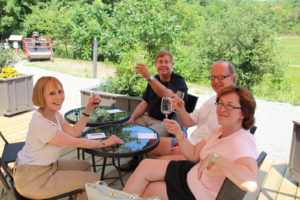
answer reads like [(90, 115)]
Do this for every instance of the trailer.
[(37, 47)]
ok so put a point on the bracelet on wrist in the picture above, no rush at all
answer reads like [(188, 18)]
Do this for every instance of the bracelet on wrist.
[(85, 114)]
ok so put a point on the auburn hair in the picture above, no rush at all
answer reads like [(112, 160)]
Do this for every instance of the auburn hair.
[(246, 101)]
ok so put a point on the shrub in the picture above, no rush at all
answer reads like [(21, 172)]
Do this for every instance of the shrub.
[(127, 82), (243, 36), (6, 58)]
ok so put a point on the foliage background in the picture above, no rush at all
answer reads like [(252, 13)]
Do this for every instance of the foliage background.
[(197, 32)]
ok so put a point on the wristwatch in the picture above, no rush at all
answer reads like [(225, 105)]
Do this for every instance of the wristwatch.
[(150, 78), (214, 158)]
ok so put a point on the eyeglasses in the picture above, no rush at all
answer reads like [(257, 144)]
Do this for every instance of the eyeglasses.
[(219, 77), (227, 107)]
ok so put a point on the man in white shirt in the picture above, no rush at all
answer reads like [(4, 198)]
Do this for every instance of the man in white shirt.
[(222, 74)]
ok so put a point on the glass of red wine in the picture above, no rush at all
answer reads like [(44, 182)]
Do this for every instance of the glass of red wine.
[(166, 106)]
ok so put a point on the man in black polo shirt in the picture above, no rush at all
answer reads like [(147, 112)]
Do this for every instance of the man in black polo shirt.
[(165, 84)]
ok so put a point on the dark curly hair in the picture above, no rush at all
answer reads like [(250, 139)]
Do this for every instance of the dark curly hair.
[(246, 101)]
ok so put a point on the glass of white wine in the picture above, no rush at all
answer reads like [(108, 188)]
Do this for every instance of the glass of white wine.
[(139, 60), (97, 95)]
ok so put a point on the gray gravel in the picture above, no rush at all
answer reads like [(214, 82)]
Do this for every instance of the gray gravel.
[(273, 119)]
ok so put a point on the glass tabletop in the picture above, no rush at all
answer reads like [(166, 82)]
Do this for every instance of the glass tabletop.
[(99, 116), (129, 134)]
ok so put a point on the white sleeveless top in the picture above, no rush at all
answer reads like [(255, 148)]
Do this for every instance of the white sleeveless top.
[(36, 150)]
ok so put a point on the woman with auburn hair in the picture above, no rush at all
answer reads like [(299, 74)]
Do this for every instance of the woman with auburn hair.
[(229, 151), (38, 172)]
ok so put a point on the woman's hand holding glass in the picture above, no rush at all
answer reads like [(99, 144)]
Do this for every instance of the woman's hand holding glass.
[(93, 101), (172, 127)]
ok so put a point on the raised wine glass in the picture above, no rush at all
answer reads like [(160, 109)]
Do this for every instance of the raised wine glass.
[(180, 94), (166, 106), (139, 60)]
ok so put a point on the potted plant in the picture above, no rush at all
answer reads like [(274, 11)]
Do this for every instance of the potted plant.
[(16, 89), (119, 92)]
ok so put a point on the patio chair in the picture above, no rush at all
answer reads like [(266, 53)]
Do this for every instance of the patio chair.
[(191, 103), (8, 184), (10, 150), (229, 191)]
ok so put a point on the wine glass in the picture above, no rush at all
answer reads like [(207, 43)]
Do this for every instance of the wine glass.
[(166, 106), (139, 60), (180, 94), (96, 95)]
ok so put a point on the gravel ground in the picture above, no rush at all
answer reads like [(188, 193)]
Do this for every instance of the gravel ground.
[(274, 120)]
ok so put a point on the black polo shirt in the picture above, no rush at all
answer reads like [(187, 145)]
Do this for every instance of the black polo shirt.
[(176, 83)]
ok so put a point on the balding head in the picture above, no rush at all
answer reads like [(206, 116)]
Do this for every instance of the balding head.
[(222, 74)]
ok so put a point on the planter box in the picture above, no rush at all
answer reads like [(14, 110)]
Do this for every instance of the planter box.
[(127, 103), (16, 94)]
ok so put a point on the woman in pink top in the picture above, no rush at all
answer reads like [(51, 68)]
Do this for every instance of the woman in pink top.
[(230, 151)]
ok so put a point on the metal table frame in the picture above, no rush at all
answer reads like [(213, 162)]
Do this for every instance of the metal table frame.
[(116, 156)]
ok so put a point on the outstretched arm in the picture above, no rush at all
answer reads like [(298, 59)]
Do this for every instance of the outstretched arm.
[(63, 139), (183, 116), (77, 129)]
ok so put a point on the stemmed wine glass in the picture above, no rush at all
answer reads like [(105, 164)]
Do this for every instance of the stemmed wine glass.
[(166, 106), (140, 60), (180, 94)]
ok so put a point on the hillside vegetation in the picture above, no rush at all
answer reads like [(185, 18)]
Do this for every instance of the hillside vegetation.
[(197, 32)]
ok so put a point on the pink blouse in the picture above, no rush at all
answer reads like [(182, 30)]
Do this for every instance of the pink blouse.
[(240, 144)]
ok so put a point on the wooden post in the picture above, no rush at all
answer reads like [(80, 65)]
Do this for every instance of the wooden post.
[(95, 54)]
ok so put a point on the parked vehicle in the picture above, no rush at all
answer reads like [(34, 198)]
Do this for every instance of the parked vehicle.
[(37, 47)]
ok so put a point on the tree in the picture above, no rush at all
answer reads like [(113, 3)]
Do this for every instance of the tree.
[(12, 13), (244, 36)]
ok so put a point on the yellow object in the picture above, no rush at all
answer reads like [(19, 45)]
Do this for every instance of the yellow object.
[(8, 72)]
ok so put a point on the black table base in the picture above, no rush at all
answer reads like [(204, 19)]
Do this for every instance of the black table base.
[(132, 146)]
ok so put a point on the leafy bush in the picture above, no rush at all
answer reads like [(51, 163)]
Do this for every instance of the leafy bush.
[(185, 48), (118, 27), (127, 82), (6, 58), (242, 36)]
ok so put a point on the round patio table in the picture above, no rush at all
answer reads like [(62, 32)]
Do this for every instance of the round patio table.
[(134, 144), (102, 115)]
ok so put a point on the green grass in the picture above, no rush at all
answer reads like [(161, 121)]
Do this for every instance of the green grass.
[(290, 50), (293, 75), (290, 92)]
